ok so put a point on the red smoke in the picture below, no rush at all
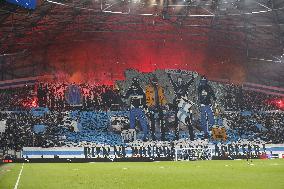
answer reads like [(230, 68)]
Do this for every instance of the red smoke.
[(278, 103), (30, 103), (106, 61), (104, 58)]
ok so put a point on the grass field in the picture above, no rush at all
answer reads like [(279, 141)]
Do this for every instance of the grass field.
[(153, 175)]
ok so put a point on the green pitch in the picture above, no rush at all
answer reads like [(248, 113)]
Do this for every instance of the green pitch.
[(165, 175)]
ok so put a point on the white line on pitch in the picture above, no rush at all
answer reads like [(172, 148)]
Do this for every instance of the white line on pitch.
[(18, 180)]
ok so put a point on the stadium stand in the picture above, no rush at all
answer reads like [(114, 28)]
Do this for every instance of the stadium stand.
[(244, 115)]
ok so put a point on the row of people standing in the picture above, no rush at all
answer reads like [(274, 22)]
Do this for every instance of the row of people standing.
[(64, 96)]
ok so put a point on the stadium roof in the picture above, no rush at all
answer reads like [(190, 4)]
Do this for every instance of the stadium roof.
[(249, 32)]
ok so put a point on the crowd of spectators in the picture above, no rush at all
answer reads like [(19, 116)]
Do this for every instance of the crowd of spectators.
[(12, 99), (274, 124), (94, 121), (103, 97), (93, 97), (20, 132), (238, 99), (266, 126)]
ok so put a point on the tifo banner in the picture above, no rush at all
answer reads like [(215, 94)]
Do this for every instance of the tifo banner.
[(73, 95)]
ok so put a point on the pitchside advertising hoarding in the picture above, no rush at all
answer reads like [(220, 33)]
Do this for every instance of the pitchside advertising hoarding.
[(29, 4), (271, 150)]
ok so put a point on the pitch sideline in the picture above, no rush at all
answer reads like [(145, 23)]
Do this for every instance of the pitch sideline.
[(19, 177)]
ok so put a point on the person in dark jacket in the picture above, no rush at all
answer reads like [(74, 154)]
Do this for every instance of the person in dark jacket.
[(205, 96), (181, 90), (137, 103)]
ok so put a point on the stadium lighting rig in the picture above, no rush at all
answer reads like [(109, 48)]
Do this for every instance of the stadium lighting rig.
[(210, 14), (209, 6)]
